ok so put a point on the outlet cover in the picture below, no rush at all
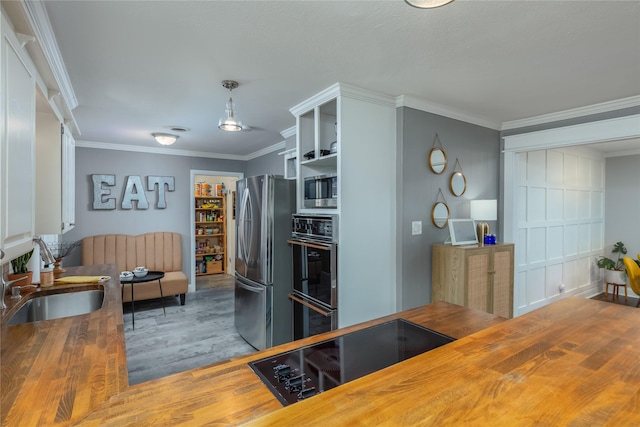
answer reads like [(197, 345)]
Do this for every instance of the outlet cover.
[(416, 228)]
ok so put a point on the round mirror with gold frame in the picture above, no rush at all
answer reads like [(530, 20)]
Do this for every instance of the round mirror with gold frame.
[(437, 160), (458, 184), (440, 214)]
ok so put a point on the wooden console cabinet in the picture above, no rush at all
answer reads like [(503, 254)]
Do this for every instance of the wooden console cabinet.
[(475, 277)]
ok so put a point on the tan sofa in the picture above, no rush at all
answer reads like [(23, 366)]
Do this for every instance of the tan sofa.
[(160, 251)]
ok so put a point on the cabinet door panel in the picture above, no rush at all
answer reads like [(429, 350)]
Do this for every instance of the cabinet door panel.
[(18, 134), (502, 283), (478, 281), (68, 180)]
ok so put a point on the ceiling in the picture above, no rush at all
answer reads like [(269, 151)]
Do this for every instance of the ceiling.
[(139, 67)]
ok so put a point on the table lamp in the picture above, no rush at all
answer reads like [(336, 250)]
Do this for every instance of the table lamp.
[(481, 211)]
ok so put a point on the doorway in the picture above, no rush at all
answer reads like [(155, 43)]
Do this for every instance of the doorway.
[(565, 215), (216, 183)]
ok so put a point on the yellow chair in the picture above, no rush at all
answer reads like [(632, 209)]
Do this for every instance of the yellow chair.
[(633, 272)]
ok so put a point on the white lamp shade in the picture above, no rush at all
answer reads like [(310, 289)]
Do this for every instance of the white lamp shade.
[(229, 122), (484, 210)]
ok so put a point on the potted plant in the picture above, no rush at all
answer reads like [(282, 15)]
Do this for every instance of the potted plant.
[(20, 269), (614, 269)]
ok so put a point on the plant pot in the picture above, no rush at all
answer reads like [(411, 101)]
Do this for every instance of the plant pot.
[(25, 282), (615, 276)]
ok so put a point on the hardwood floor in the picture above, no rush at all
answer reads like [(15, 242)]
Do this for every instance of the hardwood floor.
[(197, 334), (632, 301)]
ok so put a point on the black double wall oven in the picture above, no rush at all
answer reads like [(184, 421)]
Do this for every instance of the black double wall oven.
[(315, 274)]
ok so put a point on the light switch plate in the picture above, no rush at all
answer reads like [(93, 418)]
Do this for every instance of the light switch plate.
[(416, 228)]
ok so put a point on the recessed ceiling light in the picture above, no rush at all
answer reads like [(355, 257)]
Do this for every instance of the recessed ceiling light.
[(178, 128)]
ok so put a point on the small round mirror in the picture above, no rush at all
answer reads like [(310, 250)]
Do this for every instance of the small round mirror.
[(437, 160), (458, 184), (440, 214)]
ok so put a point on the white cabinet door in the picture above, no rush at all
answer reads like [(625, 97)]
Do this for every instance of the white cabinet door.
[(17, 135), (68, 180)]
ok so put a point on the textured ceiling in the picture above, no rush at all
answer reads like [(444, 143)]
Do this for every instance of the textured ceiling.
[(141, 66)]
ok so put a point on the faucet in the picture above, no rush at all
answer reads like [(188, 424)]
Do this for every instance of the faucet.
[(5, 286), (45, 252)]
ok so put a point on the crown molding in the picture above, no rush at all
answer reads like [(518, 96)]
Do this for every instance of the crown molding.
[(41, 26), (442, 110), (177, 152), (603, 107), (366, 95), (342, 89), (275, 147), (289, 132), (155, 150), (585, 133)]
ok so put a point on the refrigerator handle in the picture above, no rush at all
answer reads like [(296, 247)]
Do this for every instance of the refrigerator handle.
[(242, 229), (250, 288)]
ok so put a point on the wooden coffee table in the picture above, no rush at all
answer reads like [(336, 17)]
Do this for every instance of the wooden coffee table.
[(150, 277)]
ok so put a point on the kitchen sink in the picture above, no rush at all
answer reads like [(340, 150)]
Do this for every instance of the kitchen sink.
[(56, 306)]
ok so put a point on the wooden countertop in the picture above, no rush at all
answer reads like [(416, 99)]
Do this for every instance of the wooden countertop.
[(573, 362), (55, 372)]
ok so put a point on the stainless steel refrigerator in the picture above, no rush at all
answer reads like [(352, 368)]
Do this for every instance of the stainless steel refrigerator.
[(264, 205)]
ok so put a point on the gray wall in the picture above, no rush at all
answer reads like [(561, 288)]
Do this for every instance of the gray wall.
[(478, 151), (622, 203), (270, 163), (176, 216)]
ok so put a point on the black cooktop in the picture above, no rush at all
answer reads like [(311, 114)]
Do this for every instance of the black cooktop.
[(307, 371)]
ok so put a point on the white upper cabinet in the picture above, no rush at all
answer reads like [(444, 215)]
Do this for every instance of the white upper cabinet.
[(17, 129), (68, 180), (37, 161), (55, 173), (317, 141)]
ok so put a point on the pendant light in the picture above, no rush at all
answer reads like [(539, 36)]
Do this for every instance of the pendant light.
[(229, 122), (427, 4)]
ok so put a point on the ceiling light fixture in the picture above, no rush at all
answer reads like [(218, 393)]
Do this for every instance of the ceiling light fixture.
[(427, 4), (229, 122), (165, 138)]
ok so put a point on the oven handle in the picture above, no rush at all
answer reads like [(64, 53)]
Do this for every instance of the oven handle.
[(310, 245), (311, 306)]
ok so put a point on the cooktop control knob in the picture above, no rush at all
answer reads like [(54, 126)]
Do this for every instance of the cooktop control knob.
[(294, 384), (307, 392), (282, 372)]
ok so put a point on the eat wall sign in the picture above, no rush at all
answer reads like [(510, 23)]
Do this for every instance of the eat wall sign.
[(133, 191)]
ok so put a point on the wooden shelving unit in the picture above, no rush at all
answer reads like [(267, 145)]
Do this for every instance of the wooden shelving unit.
[(210, 232)]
